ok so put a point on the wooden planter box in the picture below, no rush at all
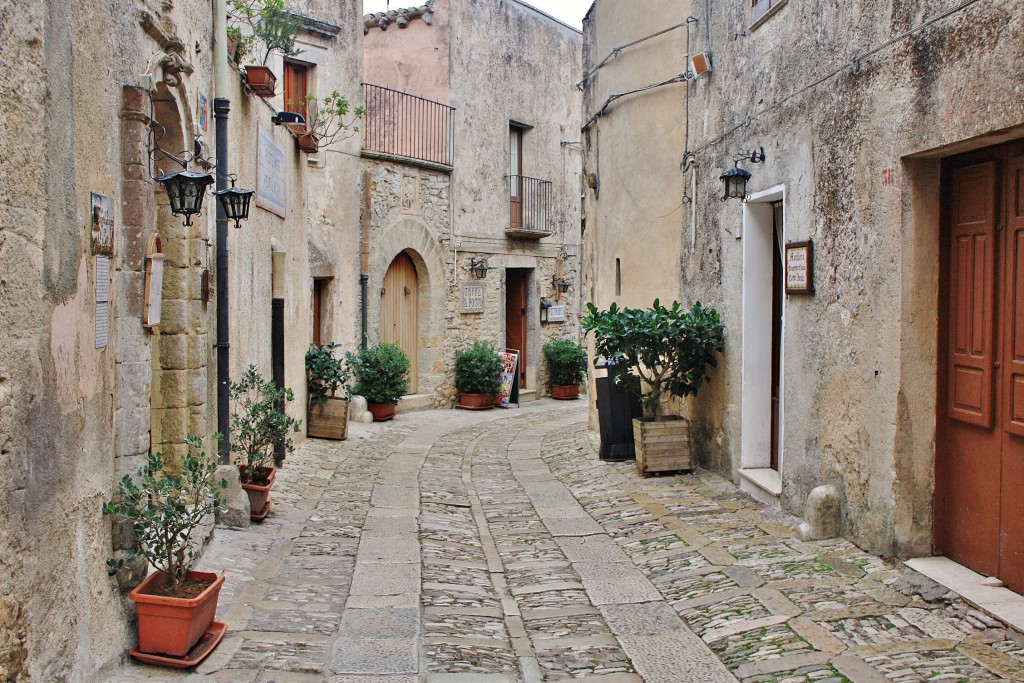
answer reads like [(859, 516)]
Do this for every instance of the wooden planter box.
[(328, 421), (662, 446)]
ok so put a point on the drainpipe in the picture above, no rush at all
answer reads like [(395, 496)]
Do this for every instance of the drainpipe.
[(364, 253), (221, 107), (277, 335)]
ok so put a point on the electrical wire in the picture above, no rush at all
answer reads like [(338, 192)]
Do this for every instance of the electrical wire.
[(615, 52), (684, 76)]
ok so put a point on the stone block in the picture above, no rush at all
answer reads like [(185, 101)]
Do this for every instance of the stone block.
[(174, 352), (380, 624), (822, 514), (198, 350), (236, 516), (128, 295), (173, 389), (174, 424), (197, 387), (176, 253), (356, 408), (132, 432), (386, 656)]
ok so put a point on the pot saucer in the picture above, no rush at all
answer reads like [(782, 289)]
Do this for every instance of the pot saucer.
[(262, 514), (197, 654)]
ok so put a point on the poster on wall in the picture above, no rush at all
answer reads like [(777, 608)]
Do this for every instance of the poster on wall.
[(101, 224), (203, 111), (508, 392)]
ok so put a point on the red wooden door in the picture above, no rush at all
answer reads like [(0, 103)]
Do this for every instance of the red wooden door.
[(516, 282), (979, 488)]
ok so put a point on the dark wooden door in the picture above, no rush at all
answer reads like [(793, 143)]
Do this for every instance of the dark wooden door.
[(979, 487), (778, 297), (516, 295), (399, 311)]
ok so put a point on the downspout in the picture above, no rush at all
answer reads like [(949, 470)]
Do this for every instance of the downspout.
[(364, 253), (221, 107)]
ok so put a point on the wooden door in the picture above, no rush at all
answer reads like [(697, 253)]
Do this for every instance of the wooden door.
[(515, 180), (296, 87), (979, 488), (399, 311), (516, 297)]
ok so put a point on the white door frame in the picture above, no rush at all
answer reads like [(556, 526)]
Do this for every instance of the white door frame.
[(757, 476)]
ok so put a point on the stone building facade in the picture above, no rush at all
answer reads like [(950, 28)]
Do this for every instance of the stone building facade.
[(889, 132), (446, 190), (86, 390)]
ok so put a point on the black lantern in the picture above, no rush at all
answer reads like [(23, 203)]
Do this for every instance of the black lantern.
[(560, 284), (185, 190), (235, 201), (544, 306), (479, 267), (735, 181)]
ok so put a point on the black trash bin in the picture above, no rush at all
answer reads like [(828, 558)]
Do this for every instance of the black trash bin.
[(616, 408)]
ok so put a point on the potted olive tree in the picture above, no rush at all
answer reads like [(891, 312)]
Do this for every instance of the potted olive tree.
[(259, 423), (262, 27), (670, 350), (175, 604), (477, 375), (326, 375), (382, 378), (567, 366)]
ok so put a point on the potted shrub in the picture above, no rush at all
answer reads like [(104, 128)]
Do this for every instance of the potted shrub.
[(382, 378), (477, 375), (259, 423), (271, 27), (567, 366), (670, 350), (175, 604), (326, 374), (328, 122)]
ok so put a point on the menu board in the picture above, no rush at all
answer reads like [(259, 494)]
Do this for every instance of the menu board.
[(508, 392)]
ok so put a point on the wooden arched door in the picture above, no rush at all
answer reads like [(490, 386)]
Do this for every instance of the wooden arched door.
[(399, 311)]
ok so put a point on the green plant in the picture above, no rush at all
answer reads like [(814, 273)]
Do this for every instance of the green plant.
[(165, 509), (326, 119), (243, 44), (669, 349), (478, 369), (567, 362), (325, 372), (382, 373), (272, 27), (259, 421)]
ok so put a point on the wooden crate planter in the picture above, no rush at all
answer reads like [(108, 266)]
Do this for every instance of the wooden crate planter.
[(328, 421), (662, 446)]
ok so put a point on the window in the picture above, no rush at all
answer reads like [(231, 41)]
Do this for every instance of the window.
[(296, 87), (760, 8)]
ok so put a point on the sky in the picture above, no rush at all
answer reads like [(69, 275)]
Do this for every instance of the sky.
[(569, 11)]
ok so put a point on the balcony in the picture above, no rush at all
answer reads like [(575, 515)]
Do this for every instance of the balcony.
[(529, 201), (406, 127)]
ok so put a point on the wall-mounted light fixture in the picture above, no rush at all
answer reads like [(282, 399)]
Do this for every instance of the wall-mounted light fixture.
[(479, 267), (735, 179), (185, 190), (561, 285), (235, 201), (544, 306)]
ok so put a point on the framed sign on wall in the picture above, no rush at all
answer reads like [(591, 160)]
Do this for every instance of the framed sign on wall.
[(800, 267)]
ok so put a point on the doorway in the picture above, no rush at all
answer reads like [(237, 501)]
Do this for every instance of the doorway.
[(517, 282), (399, 312), (979, 466)]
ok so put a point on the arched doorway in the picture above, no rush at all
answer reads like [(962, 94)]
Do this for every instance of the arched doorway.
[(399, 311)]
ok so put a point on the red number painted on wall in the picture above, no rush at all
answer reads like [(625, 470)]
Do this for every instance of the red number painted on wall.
[(888, 177)]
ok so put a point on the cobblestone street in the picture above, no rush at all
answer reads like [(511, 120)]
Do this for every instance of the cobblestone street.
[(451, 546)]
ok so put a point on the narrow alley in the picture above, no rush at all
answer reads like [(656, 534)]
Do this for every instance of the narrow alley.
[(449, 546)]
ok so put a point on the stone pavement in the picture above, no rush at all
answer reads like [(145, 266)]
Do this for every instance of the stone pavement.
[(452, 546)]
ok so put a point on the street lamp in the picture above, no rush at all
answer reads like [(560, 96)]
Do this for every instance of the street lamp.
[(235, 201), (735, 179), (185, 190)]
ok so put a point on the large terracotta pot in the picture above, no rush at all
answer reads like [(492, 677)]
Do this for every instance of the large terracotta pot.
[(259, 494), (476, 401), (328, 421), (171, 626), (565, 393), (261, 80), (382, 412)]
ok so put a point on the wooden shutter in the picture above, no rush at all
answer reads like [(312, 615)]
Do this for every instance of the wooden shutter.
[(295, 88), (1014, 355), (971, 295)]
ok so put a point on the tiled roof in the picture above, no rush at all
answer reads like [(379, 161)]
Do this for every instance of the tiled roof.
[(401, 17)]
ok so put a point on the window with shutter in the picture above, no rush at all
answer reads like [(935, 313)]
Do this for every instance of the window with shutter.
[(759, 8), (296, 87)]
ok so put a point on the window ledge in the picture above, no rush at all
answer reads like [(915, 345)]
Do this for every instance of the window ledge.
[(767, 15)]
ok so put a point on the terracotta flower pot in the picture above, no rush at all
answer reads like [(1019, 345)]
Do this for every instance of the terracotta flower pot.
[(382, 412), (259, 494), (565, 393), (169, 625), (261, 80), (308, 143), (476, 401)]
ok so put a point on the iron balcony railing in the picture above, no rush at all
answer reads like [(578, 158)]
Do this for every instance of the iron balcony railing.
[(529, 204), (403, 125)]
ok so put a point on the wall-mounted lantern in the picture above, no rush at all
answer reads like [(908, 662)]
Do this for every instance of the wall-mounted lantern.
[(735, 179), (561, 285), (235, 201), (544, 306), (185, 190), (479, 267)]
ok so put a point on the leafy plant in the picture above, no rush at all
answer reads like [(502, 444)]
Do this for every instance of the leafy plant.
[(243, 44), (382, 373), (325, 372), (567, 362), (669, 349), (164, 510), (259, 421), (271, 26), (478, 369), (326, 119)]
